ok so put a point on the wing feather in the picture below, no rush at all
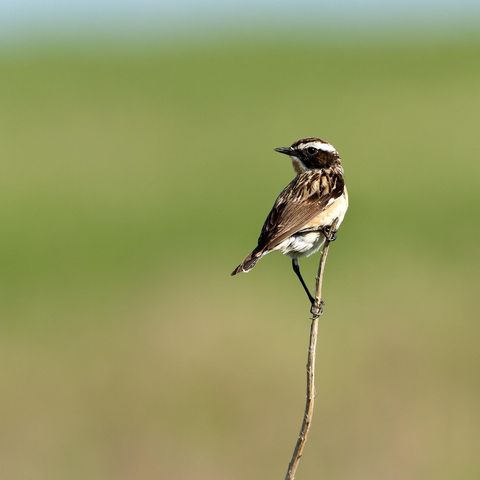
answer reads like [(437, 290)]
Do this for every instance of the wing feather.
[(300, 201)]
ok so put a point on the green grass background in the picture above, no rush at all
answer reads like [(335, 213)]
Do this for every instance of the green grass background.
[(133, 180)]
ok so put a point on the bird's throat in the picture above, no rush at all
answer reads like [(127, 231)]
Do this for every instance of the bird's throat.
[(298, 166)]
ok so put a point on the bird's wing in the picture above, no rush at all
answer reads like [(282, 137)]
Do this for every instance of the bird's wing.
[(300, 201)]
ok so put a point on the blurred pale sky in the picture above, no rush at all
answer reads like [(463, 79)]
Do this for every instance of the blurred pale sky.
[(19, 18)]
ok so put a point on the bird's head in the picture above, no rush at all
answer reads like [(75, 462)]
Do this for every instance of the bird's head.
[(311, 154)]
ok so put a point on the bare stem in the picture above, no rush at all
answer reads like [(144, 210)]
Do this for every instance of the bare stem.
[(316, 311)]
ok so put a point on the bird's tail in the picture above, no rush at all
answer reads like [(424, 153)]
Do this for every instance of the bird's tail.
[(249, 262)]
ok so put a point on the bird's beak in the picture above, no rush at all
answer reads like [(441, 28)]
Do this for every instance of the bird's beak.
[(285, 150)]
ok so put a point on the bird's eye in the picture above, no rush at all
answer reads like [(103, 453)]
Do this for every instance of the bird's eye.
[(311, 150)]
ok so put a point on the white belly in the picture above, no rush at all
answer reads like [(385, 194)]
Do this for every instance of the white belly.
[(301, 244)]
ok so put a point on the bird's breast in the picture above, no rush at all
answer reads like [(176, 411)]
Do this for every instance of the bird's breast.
[(336, 209)]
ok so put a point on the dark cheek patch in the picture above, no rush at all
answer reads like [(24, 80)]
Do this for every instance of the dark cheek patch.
[(322, 159)]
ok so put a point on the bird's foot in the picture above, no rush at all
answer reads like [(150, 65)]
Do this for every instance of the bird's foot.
[(317, 308), (330, 233)]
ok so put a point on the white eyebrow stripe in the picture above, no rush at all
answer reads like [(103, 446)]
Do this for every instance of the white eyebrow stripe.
[(325, 147)]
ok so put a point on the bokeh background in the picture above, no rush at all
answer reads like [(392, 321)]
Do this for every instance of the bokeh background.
[(137, 168)]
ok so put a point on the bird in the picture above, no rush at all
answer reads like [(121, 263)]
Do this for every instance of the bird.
[(308, 211)]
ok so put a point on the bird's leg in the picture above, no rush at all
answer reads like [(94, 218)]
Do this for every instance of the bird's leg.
[(296, 269), (330, 233)]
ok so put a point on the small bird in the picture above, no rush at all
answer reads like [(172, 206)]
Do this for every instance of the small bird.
[(308, 210)]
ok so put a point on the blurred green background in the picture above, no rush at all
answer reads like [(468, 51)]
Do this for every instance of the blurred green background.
[(135, 178)]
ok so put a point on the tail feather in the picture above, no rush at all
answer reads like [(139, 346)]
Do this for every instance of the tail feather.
[(249, 262)]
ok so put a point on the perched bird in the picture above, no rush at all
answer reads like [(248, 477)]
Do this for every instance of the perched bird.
[(304, 212)]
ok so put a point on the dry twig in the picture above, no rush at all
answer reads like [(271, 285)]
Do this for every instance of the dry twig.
[(316, 311)]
